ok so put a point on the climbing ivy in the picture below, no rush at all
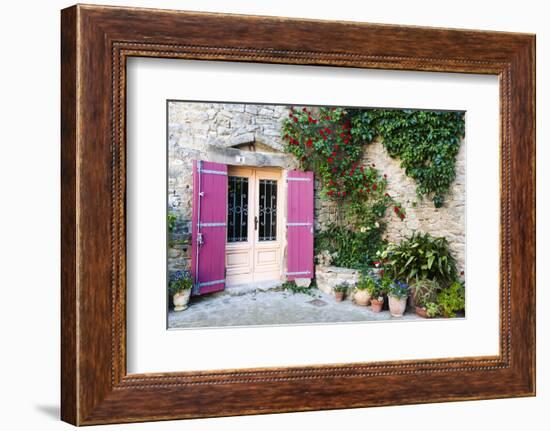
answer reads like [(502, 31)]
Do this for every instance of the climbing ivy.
[(426, 142)]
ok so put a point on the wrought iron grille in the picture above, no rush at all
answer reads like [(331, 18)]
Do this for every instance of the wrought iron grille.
[(237, 209), (268, 210)]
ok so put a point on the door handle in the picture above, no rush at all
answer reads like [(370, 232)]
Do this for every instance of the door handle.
[(255, 222)]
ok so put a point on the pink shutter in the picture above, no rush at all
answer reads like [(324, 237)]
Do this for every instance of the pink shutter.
[(300, 225), (209, 228)]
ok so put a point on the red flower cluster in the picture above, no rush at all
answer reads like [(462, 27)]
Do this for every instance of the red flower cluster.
[(291, 140), (345, 135), (399, 212)]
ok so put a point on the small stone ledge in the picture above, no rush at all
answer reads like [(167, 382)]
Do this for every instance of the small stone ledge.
[(328, 277)]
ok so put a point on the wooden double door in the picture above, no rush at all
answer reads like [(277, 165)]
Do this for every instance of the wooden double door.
[(255, 228)]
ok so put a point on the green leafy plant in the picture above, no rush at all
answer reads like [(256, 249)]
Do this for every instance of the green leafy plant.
[(432, 309), (425, 292), (398, 289), (373, 286), (421, 256), (291, 286), (172, 218), (342, 287), (452, 299), (366, 282), (349, 248), (384, 284), (180, 281)]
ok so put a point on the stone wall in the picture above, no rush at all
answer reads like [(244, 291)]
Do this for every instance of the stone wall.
[(251, 133)]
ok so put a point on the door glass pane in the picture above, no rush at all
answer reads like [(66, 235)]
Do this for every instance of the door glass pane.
[(237, 209), (268, 210)]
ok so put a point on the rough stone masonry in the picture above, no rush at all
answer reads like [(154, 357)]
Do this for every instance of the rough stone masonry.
[(221, 132)]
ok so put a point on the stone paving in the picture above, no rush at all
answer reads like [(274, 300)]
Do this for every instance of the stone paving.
[(255, 307)]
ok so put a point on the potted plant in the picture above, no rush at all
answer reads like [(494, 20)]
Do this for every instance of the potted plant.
[(361, 295), (376, 292), (180, 287), (398, 292), (424, 292), (376, 298), (340, 291), (376, 304)]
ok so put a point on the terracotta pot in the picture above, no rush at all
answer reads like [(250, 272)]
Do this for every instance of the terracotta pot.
[(376, 305), (339, 296), (422, 312), (361, 297), (181, 299), (397, 305)]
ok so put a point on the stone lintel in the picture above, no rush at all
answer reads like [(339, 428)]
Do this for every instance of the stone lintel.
[(236, 157)]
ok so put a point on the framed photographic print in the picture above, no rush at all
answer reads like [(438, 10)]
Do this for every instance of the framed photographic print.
[(267, 215)]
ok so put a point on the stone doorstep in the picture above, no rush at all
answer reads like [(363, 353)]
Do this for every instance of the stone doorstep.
[(243, 289)]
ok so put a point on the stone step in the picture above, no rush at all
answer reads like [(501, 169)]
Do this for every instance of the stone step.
[(243, 289)]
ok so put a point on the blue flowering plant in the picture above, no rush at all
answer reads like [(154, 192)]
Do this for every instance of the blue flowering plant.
[(398, 289), (180, 281)]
